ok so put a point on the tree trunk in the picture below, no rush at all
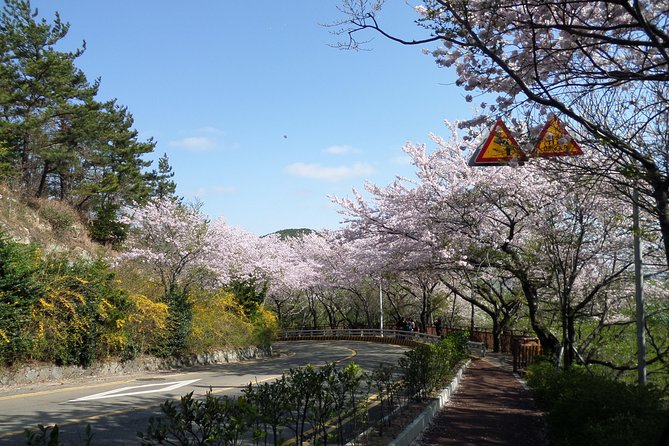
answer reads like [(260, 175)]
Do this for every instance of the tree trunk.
[(497, 329), (549, 343), (662, 203), (42, 181), (570, 346)]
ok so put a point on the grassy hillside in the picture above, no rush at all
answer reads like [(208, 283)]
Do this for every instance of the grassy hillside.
[(53, 226)]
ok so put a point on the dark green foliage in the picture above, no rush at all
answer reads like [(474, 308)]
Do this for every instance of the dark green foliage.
[(179, 322), (269, 401), (105, 228), (50, 436), (18, 292), (585, 408), (212, 421), (249, 293), (162, 184), (428, 367)]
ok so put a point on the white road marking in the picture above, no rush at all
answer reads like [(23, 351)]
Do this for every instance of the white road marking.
[(125, 391)]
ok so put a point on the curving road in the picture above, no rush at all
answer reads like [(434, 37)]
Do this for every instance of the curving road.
[(118, 408)]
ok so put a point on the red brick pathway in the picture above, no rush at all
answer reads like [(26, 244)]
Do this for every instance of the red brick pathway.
[(490, 407)]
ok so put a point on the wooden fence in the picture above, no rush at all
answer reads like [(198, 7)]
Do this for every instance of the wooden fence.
[(524, 350)]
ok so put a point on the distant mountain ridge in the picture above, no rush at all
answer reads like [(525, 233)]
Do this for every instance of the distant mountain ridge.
[(293, 233)]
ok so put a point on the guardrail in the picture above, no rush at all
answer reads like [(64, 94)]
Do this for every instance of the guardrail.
[(361, 332), (410, 338)]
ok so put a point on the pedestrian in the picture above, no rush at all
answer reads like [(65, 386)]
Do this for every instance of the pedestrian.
[(400, 325), (438, 326)]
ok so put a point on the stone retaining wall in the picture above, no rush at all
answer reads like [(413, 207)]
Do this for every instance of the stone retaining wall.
[(44, 373)]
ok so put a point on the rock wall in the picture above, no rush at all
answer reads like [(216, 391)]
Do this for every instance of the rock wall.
[(44, 373)]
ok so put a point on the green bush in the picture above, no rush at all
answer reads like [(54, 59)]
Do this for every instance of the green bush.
[(60, 217), (18, 292), (212, 421), (178, 324), (429, 367), (304, 401), (80, 313), (585, 408)]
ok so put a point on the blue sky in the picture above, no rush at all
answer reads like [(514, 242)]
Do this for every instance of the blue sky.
[(260, 117)]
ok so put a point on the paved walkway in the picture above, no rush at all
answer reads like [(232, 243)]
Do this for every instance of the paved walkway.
[(490, 407)]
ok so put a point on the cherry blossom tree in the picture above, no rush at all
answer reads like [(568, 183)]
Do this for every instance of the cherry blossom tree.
[(602, 66), (171, 238), (564, 242)]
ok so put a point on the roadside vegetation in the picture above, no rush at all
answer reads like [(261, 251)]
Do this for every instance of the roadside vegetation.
[(308, 405), (75, 312), (583, 407), (542, 246)]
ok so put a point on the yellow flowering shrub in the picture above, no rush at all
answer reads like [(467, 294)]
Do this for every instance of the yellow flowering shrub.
[(218, 323), (62, 326), (145, 325), (266, 326)]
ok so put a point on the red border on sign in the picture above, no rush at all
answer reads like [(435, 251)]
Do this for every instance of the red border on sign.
[(493, 161)]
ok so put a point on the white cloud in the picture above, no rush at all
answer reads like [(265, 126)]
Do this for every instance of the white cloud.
[(195, 144), (214, 190), (404, 160), (318, 172), (339, 150)]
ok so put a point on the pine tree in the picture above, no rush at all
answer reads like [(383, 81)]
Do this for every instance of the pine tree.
[(57, 140)]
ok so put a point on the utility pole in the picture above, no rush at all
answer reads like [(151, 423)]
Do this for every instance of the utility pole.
[(638, 291)]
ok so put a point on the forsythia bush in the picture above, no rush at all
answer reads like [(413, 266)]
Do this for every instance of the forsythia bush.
[(75, 312), (77, 320), (143, 328), (219, 322)]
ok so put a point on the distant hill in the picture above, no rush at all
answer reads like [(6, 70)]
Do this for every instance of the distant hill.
[(293, 233)]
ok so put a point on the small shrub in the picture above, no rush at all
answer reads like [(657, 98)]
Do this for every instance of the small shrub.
[(19, 290), (50, 436), (585, 408), (61, 218), (428, 367), (212, 421)]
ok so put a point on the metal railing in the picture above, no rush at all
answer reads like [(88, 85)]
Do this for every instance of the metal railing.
[(371, 334), (360, 332)]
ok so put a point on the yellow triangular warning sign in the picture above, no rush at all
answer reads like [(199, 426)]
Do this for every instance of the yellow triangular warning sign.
[(498, 148), (555, 141)]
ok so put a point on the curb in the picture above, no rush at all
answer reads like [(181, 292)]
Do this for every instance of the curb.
[(411, 432)]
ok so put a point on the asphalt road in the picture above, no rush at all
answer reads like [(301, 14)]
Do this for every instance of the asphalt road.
[(118, 407)]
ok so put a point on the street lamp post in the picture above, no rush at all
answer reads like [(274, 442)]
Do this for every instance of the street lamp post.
[(381, 304)]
